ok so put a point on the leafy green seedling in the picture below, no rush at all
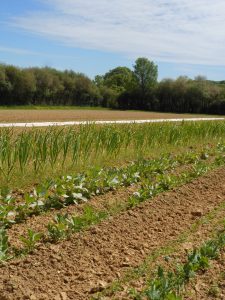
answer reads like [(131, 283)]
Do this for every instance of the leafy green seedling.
[(4, 245), (31, 240)]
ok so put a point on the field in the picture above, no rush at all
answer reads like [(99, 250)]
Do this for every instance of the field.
[(129, 211), (41, 114)]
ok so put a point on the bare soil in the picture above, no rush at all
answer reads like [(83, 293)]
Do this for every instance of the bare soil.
[(25, 115), (204, 229), (76, 268)]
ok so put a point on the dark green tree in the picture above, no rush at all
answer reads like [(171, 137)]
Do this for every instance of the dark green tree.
[(146, 74), (119, 79)]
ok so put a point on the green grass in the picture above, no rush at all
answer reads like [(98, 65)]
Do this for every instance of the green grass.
[(51, 107), (75, 107)]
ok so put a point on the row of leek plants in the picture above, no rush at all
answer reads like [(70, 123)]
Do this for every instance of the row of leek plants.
[(35, 151)]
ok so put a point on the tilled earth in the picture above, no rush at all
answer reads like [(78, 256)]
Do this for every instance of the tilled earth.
[(202, 230), (76, 268), (46, 115)]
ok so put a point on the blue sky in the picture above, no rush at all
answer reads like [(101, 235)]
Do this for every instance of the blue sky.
[(184, 37)]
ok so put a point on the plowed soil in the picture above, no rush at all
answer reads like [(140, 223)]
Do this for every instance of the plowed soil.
[(83, 115), (203, 230), (86, 263)]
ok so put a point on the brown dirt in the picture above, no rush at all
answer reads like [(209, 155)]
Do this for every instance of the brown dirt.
[(83, 115), (88, 261), (204, 229)]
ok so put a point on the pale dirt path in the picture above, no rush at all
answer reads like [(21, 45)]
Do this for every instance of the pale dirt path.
[(73, 269), (47, 124)]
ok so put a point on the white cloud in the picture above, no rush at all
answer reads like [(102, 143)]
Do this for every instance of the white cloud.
[(23, 52), (17, 51), (185, 31)]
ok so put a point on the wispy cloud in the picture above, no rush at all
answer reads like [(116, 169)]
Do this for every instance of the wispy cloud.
[(18, 51), (23, 52), (182, 31)]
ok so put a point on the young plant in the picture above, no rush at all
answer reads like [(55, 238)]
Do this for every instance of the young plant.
[(31, 240), (4, 245), (58, 230), (88, 218), (169, 285)]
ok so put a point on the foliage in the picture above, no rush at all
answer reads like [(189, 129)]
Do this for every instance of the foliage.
[(64, 225), (152, 174), (118, 79), (34, 152), (80, 188), (46, 86), (4, 245), (145, 73), (120, 87), (169, 285), (31, 240)]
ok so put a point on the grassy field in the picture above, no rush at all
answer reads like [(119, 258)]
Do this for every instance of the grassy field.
[(51, 107), (130, 211), (41, 114)]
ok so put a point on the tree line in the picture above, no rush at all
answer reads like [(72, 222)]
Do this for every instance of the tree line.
[(120, 88)]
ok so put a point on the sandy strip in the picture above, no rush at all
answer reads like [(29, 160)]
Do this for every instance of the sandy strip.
[(47, 124)]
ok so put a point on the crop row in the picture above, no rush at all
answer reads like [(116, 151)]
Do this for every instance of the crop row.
[(169, 285), (77, 189), (64, 225), (39, 150)]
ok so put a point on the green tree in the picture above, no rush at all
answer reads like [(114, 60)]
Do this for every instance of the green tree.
[(5, 87), (118, 79), (165, 94), (146, 74), (99, 81)]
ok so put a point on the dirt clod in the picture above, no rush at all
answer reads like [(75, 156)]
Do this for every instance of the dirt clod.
[(197, 213)]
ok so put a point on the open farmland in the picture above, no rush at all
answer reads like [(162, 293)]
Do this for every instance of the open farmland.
[(63, 115), (129, 211)]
